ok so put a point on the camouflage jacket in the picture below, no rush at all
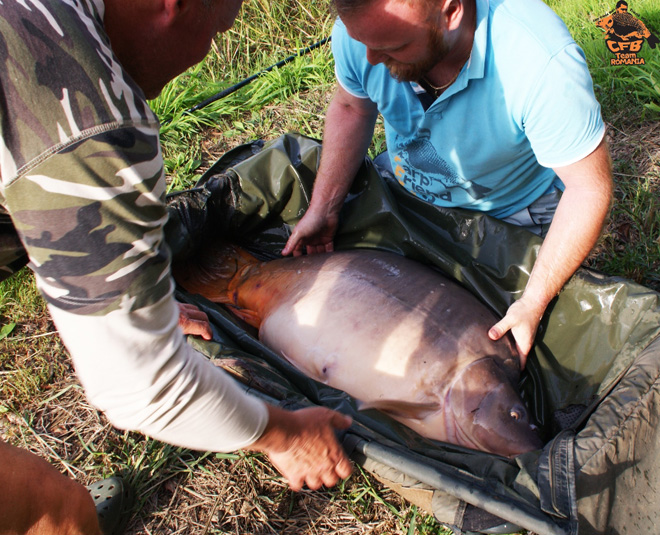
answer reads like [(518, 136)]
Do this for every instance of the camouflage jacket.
[(82, 179)]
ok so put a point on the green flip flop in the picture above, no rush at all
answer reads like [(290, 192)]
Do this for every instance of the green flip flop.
[(113, 500)]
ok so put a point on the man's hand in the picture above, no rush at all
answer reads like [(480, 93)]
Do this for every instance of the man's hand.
[(315, 232), (193, 321), (303, 447), (522, 320)]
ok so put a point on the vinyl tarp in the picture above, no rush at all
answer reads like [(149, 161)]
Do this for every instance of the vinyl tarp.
[(591, 381)]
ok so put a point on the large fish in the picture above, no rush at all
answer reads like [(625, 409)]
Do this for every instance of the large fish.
[(391, 332)]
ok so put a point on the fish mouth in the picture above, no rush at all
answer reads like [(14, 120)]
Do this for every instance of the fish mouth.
[(487, 412)]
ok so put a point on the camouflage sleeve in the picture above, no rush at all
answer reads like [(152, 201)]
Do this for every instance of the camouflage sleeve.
[(81, 175), (91, 219)]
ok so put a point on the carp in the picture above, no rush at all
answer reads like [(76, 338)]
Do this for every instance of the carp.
[(394, 334)]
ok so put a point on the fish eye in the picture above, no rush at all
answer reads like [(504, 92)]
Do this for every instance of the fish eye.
[(518, 413)]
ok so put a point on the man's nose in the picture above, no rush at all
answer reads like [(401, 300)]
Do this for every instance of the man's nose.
[(374, 57)]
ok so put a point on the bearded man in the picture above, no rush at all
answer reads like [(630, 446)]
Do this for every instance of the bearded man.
[(488, 105)]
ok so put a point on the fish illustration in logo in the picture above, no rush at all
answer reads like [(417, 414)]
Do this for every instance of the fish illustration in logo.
[(623, 28), (422, 156)]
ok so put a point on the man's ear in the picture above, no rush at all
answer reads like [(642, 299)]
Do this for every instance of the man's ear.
[(171, 10), (453, 12)]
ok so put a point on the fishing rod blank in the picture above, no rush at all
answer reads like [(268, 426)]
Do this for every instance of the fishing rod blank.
[(243, 83)]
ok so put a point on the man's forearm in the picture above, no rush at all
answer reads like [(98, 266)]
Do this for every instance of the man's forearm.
[(347, 135), (576, 227), (574, 232)]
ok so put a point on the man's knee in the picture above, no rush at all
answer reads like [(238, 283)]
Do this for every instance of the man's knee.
[(40, 500)]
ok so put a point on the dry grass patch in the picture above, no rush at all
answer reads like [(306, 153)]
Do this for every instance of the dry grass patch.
[(630, 246)]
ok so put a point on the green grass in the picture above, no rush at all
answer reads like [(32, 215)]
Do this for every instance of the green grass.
[(26, 336), (264, 34), (617, 87), (179, 487)]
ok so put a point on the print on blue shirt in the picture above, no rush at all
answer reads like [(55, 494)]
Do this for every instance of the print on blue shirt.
[(419, 167)]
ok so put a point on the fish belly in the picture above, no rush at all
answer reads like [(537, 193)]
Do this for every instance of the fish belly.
[(381, 328)]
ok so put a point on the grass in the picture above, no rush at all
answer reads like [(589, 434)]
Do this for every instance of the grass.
[(180, 491), (291, 98)]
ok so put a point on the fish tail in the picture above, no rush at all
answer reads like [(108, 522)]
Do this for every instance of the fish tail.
[(214, 272)]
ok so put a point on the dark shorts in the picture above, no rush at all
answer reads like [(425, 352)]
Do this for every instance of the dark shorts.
[(537, 216)]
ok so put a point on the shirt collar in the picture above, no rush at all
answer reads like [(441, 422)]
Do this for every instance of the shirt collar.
[(477, 61), (99, 5)]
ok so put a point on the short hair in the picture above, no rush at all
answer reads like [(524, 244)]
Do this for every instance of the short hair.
[(343, 7), (621, 3), (349, 6)]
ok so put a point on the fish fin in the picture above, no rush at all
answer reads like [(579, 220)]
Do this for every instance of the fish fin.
[(399, 408), (248, 316), (251, 375)]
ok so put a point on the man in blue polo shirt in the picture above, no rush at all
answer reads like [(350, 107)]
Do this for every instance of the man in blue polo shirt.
[(487, 105)]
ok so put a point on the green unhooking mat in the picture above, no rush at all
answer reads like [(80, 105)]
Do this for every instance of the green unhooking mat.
[(591, 381)]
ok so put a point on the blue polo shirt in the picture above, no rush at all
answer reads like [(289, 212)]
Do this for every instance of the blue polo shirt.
[(522, 104)]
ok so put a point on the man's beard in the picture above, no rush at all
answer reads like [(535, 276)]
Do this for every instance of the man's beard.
[(411, 72)]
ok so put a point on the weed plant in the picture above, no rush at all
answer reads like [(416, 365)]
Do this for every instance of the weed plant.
[(43, 407)]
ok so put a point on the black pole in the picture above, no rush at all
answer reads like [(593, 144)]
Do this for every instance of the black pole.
[(243, 83)]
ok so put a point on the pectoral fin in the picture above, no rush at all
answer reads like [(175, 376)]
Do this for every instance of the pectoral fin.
[(247, 316), (401, 409)]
